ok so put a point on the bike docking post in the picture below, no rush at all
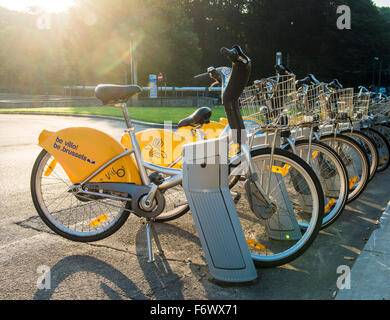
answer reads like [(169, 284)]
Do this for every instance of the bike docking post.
[(205, 182)]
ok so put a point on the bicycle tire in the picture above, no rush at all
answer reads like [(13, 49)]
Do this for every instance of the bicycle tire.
[(250, 223), (369, 146), (383, 147), (169, 215), (334, 207), (358, 180), (39, 191)]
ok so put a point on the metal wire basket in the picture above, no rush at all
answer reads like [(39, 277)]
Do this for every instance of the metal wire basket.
[(311, 104), (340, 104), (361, 102), (379, 106), (271, 101)]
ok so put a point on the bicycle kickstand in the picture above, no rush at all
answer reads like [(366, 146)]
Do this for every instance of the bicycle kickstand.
[(149, 232)]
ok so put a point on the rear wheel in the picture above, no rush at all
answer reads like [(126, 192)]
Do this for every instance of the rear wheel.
[(176, 204), (75, 217)]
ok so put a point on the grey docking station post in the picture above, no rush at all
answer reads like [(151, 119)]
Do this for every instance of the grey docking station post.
[(205, 181)]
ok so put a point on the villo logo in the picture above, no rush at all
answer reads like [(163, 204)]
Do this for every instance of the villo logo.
[(155, 149)]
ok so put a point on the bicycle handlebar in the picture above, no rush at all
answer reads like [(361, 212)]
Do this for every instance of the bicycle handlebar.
[(233, 81), (235, 54), (234, 86)]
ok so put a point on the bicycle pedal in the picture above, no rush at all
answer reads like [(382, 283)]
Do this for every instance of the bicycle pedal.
[(157, 178), (236, 197)]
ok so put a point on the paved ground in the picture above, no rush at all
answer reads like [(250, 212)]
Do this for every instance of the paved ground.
[(369, 278), (116, 268)]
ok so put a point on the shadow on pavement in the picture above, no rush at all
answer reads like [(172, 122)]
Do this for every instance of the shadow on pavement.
[(82, 263)]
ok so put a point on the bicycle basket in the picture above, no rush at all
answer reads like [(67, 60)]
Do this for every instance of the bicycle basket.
[(340, 104), (361, 103), (270, 101), (311, 104), (378, 106)]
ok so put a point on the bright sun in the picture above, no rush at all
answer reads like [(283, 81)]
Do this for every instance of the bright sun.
[(53, 6)]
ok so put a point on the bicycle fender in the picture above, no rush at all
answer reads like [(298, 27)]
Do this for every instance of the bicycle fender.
[(81, 151)]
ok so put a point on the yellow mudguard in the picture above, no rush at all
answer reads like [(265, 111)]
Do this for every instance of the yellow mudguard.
[(158, 146), (211, 130), (81, 151)]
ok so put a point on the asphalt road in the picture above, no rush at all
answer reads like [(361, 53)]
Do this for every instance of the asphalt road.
[(117, 268)]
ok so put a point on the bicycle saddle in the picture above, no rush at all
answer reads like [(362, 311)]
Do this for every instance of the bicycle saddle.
[(313, 79), (199, 117), (282, 69), (304, 81), (335, 84), (109, 93)]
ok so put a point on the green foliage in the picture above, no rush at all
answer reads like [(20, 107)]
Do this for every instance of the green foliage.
[(305, 31), (90, 44)]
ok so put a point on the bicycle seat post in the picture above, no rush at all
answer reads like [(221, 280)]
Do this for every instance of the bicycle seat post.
[(126, 114)]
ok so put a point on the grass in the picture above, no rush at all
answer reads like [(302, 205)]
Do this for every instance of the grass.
[(147, 114)]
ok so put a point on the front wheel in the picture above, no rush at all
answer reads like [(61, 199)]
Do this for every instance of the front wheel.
[(382, 145), (354, 159), (330, 171), (296, 191), (75, 217)]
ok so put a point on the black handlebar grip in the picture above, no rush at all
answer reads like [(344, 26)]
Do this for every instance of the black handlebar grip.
[(231, 54), (235, 54)]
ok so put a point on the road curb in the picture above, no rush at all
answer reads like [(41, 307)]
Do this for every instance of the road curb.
[(136, 122), (370, 275)]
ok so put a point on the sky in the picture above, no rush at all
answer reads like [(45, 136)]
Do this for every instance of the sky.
[(53, 6), (382, 3), (61, 5)]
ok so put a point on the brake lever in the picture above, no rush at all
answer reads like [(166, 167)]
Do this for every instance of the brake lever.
[(213, 85), (202, 75)]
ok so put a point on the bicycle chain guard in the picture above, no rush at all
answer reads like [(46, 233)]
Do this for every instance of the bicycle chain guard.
[(135, 194)]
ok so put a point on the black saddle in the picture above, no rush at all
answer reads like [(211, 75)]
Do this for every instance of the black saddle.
[(305, 81), (335, 84), (282, 69), (198, 118), (109, 93), (313, 79), (309, 80)]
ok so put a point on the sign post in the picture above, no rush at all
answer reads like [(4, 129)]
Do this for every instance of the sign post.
[(278, 58), (153, 86)]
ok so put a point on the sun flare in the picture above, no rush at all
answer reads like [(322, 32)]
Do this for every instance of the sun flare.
[(52, 6)]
